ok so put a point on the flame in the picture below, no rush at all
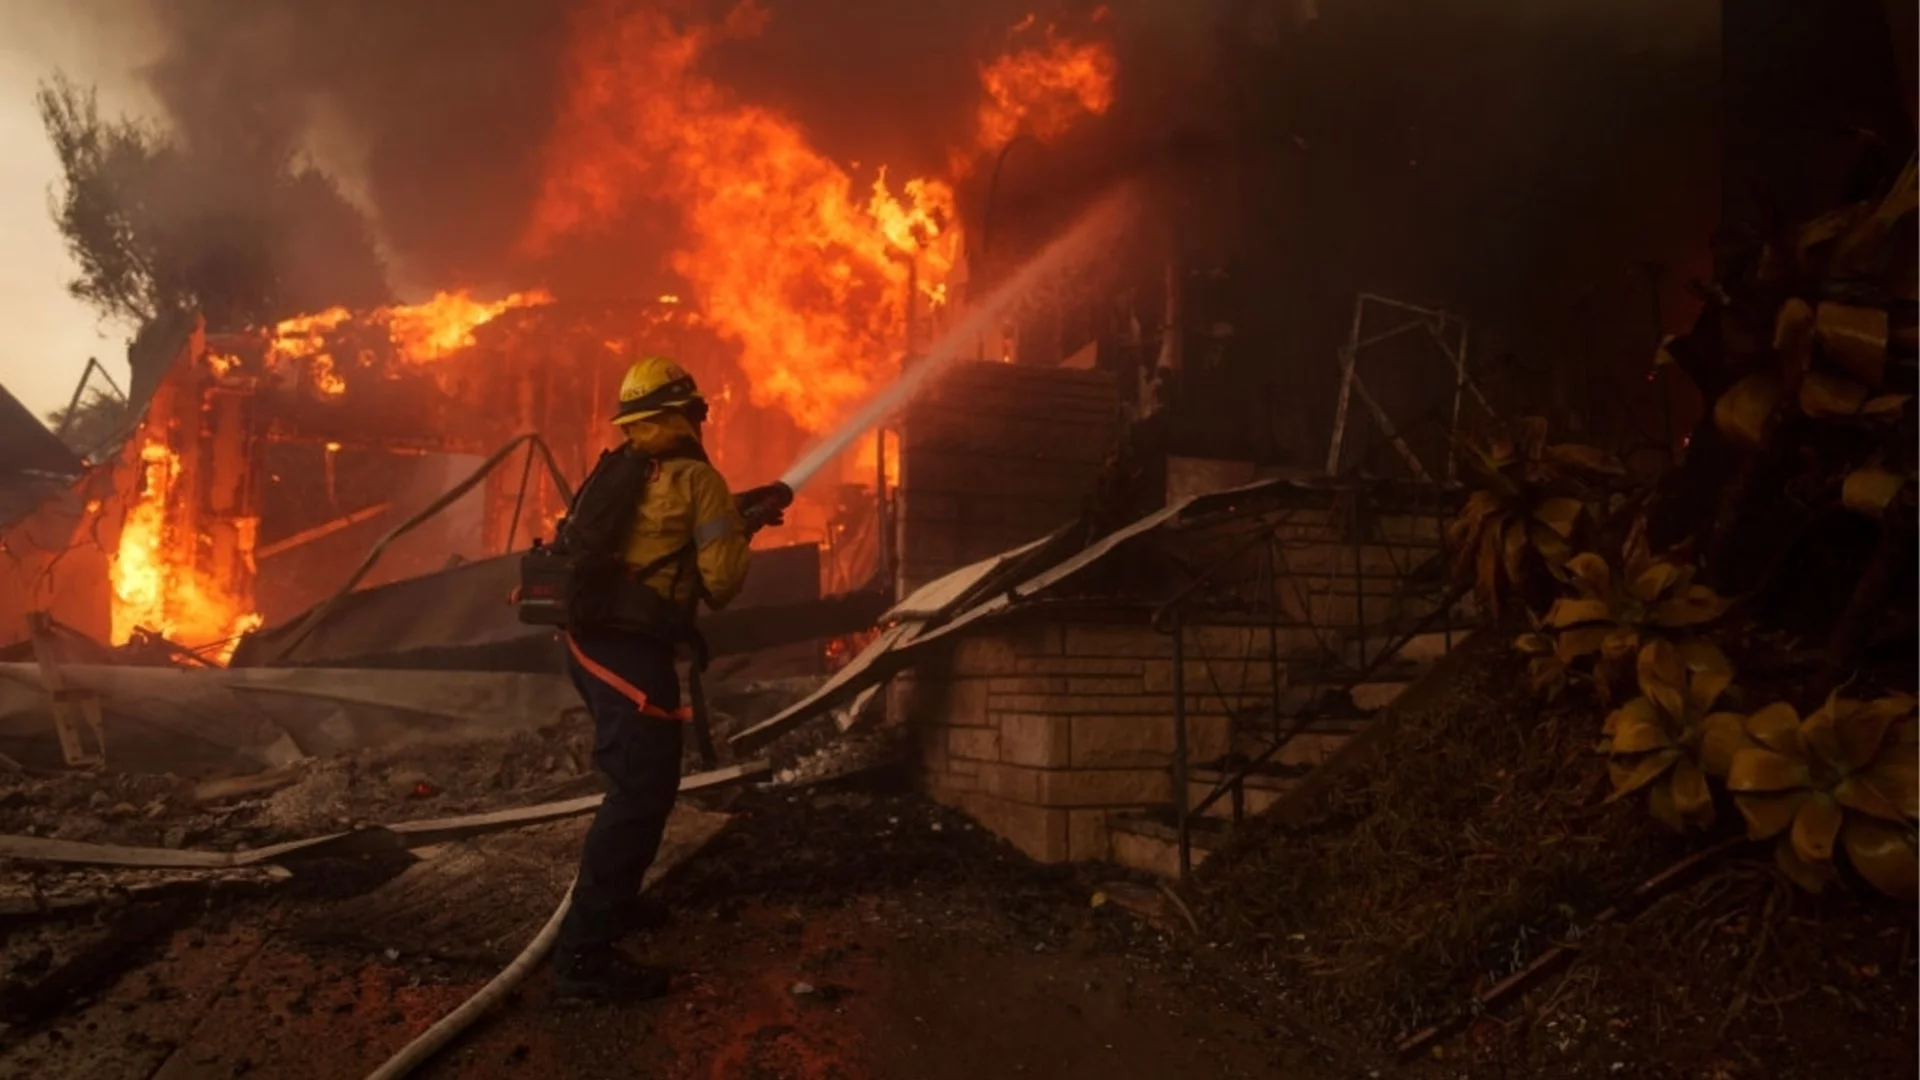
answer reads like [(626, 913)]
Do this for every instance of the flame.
[(445, 324), (304, 335), (1042, 89), (782, 254), (154, 587), (326, 380), (420, 333)]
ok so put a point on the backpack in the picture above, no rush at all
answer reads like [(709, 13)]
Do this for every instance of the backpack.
[(582, 581)]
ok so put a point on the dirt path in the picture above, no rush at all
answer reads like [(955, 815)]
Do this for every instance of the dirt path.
[(877, 989), (827, 938)]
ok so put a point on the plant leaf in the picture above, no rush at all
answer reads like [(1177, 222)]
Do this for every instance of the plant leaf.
[(1534, 644), (1592, 576), (1692, 606), (1858, 794), (1894, 781), (1793, 336), (1530, 432), (1660, 800), (1885, 857), (1638, 709), (1816, 827), (1573, 611), (1559, 514), (1620, 644), (1824, 395), (1662, 678), (1743, 410), (1769, 815), (1514, 551), (1885, 405), (1723, 735), (1547, 674), (1708, 669), (1638, 735), (1827, 226), (1813, 877), (1854, 339), (1860, 733), (1487, 576), (1765, 772), (1479, 505), (1817, 732), (1553, 548), (1608, 674), (1690, 794), (1778, 727), (1633, 550), (1631, 778), (1871, 489), (1578, 642), (1654, 580)]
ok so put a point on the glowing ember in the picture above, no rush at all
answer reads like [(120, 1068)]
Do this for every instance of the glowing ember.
[(1041, 89), (154, 587)]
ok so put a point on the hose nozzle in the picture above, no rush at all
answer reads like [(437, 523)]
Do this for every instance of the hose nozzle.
[(764, 506)]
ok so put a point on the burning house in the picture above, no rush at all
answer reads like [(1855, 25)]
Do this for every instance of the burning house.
[(346, 488)]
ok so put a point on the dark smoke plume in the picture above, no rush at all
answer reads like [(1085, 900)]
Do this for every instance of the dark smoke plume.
[(435, 111)]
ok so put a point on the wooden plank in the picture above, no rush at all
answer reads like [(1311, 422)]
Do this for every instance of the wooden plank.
[(234, 787), (400, 836)]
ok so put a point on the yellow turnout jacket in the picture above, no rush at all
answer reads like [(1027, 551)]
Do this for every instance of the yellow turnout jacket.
[(687, 499)]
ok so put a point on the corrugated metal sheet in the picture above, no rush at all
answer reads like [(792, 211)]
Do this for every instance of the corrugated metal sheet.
[(26, 446), (892, 651)]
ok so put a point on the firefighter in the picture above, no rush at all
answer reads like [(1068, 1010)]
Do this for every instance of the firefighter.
[(688, 543)]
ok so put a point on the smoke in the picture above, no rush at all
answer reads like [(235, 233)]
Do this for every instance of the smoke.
[(432, 114), (1455, 150), (428, 113)]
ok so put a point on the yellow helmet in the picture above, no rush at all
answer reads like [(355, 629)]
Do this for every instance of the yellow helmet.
[(655, 384)]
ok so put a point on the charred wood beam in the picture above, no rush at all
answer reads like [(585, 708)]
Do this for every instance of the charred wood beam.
[(320, 532)]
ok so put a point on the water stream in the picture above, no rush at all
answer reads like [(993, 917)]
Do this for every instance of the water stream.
[(1087, 238)]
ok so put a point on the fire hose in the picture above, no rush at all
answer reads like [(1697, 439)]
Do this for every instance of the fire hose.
[(759, 507), (429, 1042), (763, 506)]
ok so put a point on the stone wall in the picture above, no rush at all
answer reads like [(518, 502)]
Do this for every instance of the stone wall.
[(1038, 731), (1043, 731)]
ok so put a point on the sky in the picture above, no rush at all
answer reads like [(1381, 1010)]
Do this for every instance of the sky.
[(46, 335)]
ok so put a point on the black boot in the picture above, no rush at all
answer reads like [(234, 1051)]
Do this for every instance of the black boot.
[(607, 974)]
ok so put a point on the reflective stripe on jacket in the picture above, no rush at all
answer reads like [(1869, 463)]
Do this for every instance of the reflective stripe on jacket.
[(686, 500)]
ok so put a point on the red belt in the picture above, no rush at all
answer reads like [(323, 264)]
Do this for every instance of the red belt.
[(626, 689)]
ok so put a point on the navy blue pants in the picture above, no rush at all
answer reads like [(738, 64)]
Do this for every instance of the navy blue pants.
[(633, 691)]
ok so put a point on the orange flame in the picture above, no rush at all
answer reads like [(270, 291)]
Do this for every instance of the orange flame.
[(783, 257), (156, 592), (445, 324), (1043, 89), (421, 333)]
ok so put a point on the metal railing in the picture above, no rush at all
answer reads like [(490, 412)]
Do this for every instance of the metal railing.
[(1345, 659)]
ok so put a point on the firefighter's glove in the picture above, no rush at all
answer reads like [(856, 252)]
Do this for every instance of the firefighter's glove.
[(764, 506)]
